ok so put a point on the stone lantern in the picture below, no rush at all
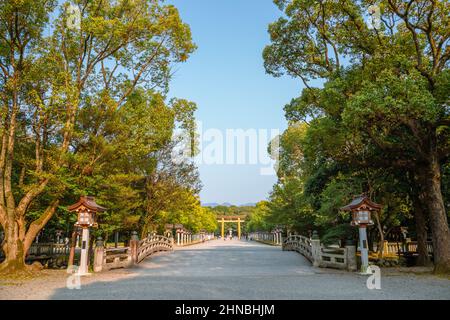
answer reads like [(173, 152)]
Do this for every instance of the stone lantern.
[(361, 208), (86, 209)]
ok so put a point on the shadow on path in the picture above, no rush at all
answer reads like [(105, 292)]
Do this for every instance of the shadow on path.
[(242, 270)]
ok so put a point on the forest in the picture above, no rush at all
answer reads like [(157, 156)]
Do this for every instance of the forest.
[(84, 111), (373, 118)]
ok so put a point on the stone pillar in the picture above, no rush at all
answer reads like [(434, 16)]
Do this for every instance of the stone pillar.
[(363, 248), (98, 255), (407, 244), (351, 255), (385, 248), (84, 263), (223, 228), (134, 247), (316, 250), (178, 238), (239, 228)]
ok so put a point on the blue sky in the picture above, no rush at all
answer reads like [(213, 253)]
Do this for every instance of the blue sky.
[(227, 80)]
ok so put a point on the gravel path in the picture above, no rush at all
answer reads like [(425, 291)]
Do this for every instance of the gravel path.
[(229, 270)]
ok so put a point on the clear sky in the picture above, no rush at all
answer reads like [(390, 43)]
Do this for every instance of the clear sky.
[(227, 80)]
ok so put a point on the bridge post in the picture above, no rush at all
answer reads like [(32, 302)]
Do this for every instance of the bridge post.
[(98, 255), (351, 255), (315, 250), (223, 228), (134, 247), (239, 228)]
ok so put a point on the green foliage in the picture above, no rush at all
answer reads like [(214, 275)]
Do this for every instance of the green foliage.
[(87, 113), (258, 219), (378, 124)]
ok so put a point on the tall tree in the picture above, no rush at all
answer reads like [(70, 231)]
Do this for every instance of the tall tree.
[(387, 82), (120, 45)]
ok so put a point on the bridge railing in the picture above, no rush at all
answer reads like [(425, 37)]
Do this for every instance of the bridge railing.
[(274, 238), (151, 245), (114, 258), (299, 244), (186, 238), (48, 250), (320, 255)]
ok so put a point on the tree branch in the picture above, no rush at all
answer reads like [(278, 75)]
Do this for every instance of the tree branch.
[(30, 196), (38, 224)]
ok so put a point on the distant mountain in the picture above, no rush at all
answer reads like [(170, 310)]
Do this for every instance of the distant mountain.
[(250, 204), (227, 204), (212, 204)]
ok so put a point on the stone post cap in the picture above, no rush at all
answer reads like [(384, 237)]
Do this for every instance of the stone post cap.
[(134, 235), (315, 235), (99, 242)]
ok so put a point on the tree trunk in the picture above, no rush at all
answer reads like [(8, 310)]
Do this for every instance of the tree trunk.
[(431, 184), (381, 234), (72, 247), (18, 240), (13, 249), (421, 231)]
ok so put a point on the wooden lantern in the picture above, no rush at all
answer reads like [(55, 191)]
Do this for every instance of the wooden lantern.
[(361, 208), (87, 210)]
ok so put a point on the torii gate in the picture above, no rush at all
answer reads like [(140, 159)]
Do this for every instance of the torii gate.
[(237, 219)]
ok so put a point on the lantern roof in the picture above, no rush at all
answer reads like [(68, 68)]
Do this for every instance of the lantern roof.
[(88, 202), (359, 201)]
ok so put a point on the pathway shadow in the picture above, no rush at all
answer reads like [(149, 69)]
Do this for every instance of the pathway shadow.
[(247, 272)]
